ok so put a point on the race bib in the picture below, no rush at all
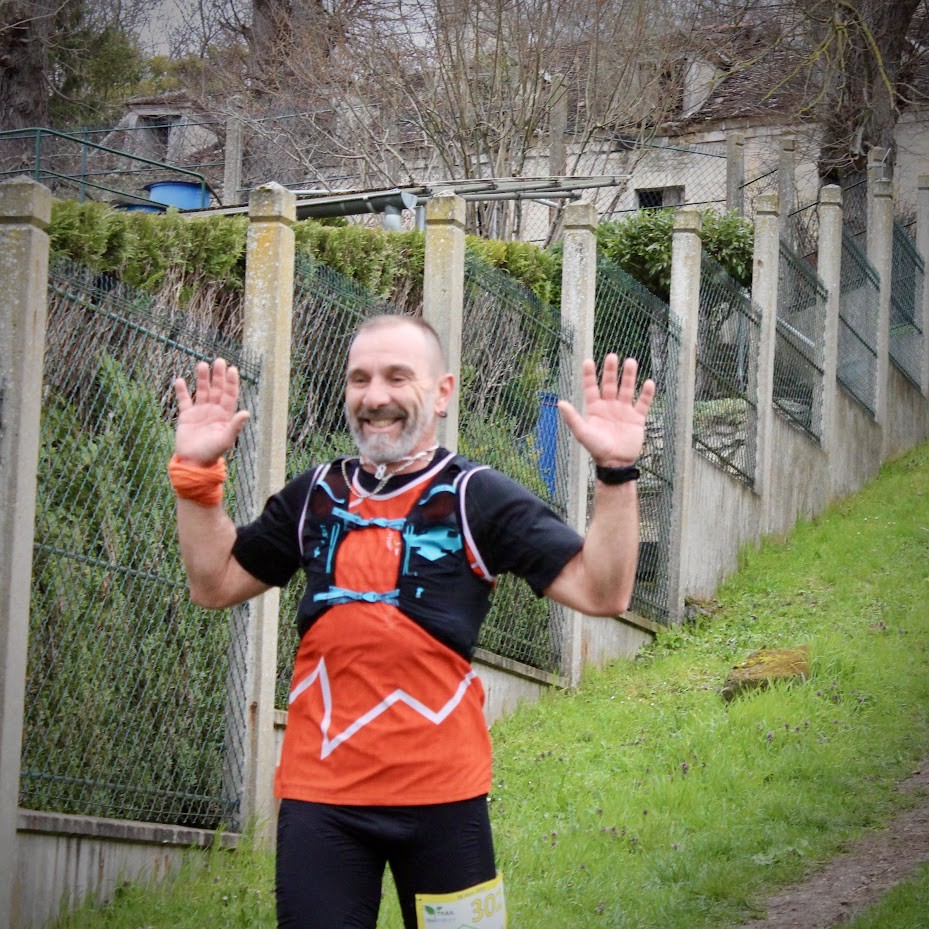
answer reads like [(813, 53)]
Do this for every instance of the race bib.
[(478, 907)]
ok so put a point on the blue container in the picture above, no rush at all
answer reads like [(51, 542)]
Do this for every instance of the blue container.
[(546, 437), (185, 195)]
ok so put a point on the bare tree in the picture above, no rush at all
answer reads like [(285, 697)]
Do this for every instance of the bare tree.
[(65, 60), (25, 34), (431, 90), (847, 68)]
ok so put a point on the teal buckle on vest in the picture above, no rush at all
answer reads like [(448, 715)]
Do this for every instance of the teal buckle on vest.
[(335, 596), (354, 521)]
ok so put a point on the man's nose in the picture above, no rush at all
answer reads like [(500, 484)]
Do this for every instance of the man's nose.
[(376, 393)]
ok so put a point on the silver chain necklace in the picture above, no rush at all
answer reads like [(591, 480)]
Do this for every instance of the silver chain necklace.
[(380, 472)]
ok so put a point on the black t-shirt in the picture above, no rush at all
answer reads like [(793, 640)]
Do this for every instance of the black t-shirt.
[(513, 530)]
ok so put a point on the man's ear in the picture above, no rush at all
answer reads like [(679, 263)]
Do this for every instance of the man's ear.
[(444, 390)]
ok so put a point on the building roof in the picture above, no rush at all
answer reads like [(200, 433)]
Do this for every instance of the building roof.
[(760, 75)]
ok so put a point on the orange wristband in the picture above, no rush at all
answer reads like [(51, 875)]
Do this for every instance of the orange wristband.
[(201, 483)]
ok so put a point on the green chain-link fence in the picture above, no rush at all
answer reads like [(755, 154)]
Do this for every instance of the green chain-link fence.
[(135, 698), (514, 360), (328, 307), (512, 356), (633, 322), (858, 311), (763, 180), (803, 232), (726, 390), (855, 207), (670, 176), (906, 305), (798, 350)]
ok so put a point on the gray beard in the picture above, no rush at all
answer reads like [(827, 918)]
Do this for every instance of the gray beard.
[(382, 449)]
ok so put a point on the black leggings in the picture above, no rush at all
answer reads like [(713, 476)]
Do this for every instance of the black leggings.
[(330, 859)]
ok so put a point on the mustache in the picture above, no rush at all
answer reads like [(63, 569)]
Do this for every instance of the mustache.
[(381, 414)]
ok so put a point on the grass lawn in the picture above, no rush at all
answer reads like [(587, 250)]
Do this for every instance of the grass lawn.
[(643, 800)]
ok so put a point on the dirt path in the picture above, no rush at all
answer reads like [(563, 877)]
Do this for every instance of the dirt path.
[(860, 876)]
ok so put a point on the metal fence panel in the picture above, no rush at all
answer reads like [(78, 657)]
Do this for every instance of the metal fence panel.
[(633, 322), (726, 390), (135, 698), (514, 358), (855, 207), (906, 305), (802, 232), (798, 351), (328, 308), (763, 181), (507, 420), (856, 363), (663, 176)]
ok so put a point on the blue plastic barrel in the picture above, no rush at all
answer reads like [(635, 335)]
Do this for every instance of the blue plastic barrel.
[(185, 195), (546, 437)]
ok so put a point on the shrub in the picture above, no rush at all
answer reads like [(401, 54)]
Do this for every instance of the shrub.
[(641, 246)]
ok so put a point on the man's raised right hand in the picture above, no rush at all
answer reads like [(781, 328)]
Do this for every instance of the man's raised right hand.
[(209, 423)]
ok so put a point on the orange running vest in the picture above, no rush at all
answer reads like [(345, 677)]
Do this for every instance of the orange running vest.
[(381, 712)]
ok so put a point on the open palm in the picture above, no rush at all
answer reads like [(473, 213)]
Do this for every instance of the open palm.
[(209, 422), (612, 428)]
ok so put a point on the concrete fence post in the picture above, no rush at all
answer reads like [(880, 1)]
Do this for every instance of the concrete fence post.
[(684, 301), (880, 254), (557, 134), (578, 299), (443, 292), (787, 187), (829, 268), (25, 211), (557, 125), (232, 160), (735, 172), (765, 271), (269, 288), (922, 243), (876, 171)]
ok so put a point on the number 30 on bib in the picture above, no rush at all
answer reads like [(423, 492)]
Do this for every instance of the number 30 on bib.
[(479, 907)]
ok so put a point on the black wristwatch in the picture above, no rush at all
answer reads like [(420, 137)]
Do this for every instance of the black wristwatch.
[(617, 475)]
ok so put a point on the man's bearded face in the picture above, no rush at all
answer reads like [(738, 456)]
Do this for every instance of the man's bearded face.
[(388, 433)]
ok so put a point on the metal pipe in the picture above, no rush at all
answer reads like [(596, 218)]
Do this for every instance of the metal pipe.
[(355, 204)]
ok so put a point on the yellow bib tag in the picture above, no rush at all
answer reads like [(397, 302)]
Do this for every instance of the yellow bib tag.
[(478, 907)]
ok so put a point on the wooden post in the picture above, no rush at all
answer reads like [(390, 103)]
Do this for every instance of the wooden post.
[(25, 212)]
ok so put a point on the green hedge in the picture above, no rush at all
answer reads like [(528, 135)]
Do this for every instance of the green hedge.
[(151, 251)]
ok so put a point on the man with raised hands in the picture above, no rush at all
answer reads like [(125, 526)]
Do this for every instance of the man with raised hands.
[(386, 756)]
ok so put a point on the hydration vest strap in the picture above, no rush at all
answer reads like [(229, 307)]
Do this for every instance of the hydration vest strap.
[(335, 596), (353, 521)]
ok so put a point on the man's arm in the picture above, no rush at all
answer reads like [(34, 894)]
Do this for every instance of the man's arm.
[(215, 579), (207, 427), (598, 580)]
